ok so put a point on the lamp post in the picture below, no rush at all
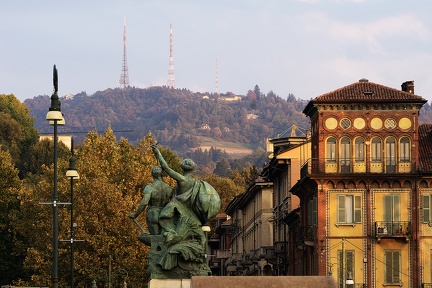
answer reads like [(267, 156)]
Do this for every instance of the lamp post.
[(118, 270), (54, 115), (72, 174)]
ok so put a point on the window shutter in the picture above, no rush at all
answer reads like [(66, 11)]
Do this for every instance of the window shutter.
[(393, 267), (426, 208), (315, 215), (357, 209), (396, 207), (341, 209), (388, 211), (396, 266), (309, 213), (388, 267)]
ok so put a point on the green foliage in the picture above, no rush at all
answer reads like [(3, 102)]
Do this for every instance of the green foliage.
[(17, 133), (10, 256), (223, 168), (42, 154), (250, 175)]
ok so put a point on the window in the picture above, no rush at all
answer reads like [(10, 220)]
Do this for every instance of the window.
[(345, 155), (392, 269), (331, 149), (404, 150), (376, 149), (345, 123), (346, 267), (392, 214), (426, 208), (392, 208), (390, 123), (312, 213), (390, 155), (312, 218), (349, 209), (359, 149)]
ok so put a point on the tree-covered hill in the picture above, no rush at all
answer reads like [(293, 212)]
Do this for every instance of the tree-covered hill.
[(177, 118)]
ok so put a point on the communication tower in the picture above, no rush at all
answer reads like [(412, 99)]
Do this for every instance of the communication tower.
[(124, 75), (171, 79)]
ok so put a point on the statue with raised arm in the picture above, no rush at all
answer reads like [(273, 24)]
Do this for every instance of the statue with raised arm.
[(180, 250), (156, 196)]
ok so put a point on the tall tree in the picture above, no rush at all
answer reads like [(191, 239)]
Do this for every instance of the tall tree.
[(17, 133), (11, 257), (223, 168), (257, 91), (226, 188)]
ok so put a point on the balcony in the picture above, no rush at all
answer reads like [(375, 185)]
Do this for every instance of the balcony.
[(351, 165), (223, 254), (393, 229)]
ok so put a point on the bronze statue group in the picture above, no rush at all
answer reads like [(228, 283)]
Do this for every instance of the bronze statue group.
[(174, 219)]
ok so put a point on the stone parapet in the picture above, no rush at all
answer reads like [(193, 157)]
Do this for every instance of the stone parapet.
[(263, 281)]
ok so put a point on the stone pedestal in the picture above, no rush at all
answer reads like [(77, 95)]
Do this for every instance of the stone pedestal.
[(170, 283)]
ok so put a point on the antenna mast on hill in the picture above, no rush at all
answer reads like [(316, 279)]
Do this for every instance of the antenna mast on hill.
[(171, 80), (217, 78), (124, 76)]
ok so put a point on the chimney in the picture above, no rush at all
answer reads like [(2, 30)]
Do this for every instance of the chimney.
[(408, 86)]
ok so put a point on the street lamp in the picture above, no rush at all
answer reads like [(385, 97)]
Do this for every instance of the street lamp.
[(206, 229), (350, 280), (54, 116), (118, 270), (72, 174)]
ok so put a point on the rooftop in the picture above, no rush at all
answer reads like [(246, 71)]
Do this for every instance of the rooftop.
[(425, 147), (366, 91)]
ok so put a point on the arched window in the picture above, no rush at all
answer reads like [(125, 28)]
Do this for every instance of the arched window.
[(331, 149), (376, 150), (359, 149), (390, 155), (404, 150), (345, 154)]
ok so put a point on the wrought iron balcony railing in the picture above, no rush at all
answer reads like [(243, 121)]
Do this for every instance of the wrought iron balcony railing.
[(393, 229)]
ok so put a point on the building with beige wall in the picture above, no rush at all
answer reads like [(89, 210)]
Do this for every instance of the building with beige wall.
[(257, 231)]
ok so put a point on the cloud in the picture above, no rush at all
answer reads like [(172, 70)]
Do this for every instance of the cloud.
[(388, 71), (372, 34)]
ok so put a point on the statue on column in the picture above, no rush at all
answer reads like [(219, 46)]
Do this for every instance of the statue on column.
[(179, 250)]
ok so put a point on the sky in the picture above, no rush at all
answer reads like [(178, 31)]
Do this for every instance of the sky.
[(300, 47)]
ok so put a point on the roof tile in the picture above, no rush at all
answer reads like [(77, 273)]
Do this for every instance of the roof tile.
[(365, 91), (425, 147)]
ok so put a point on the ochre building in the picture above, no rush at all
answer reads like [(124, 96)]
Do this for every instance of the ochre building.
[(366, 193)]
